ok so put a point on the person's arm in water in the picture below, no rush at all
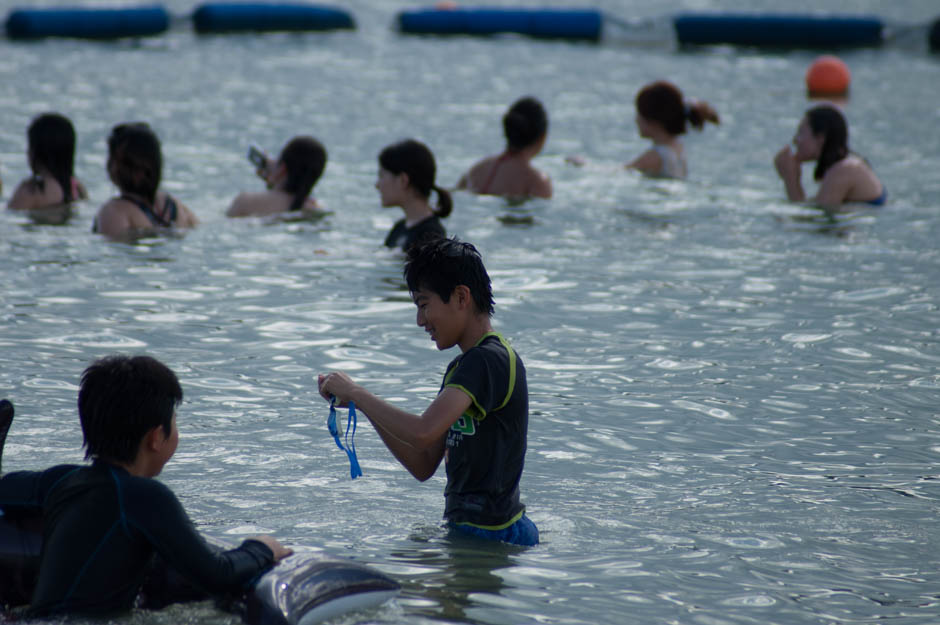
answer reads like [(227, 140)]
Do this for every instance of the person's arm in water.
[(789, 170), (417, 441)]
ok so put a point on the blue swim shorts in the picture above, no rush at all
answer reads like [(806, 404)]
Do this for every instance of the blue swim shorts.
[(522, 532)]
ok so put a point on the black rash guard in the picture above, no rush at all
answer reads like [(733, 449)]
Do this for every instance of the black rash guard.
[(404, 237), (101, 529)]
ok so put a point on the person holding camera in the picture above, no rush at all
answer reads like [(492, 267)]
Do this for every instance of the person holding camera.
[(290, 180)]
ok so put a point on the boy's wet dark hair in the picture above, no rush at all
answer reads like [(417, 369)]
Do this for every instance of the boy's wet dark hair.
[(52, 145), (121, 399), (305, 159), (440, 265), (662, 102), (135, 161)]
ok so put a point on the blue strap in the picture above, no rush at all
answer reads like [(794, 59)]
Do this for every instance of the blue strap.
[(350, 447)]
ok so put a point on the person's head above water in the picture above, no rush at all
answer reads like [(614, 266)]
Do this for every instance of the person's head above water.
[(441, 265), (135, 162), (304, 158), (416, 161), (822, 136), (525, 124), (120, 400), (663, 103), (51, 139)]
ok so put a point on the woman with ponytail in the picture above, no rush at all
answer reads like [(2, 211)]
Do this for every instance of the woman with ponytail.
[(51, 155), (406, 179), (511, 173), (662, 115), (823, 136), (290, 181)]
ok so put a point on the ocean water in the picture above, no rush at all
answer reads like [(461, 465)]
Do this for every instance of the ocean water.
[(733, 400)]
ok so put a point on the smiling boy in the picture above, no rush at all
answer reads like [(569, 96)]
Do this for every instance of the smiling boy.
[(104, 523), (478, 423)]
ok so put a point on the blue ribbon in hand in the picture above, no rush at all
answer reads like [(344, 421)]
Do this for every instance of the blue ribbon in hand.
[(350, 447)]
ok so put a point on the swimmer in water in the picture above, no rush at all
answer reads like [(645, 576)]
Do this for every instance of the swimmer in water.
[(104, 523), (290, 181), (823, 136), (661, 116), (511, 173), (135, 165), (406, 179), (51, 155)]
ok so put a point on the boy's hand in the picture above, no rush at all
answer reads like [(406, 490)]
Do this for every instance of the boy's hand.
[(336, 384), (280, 551)]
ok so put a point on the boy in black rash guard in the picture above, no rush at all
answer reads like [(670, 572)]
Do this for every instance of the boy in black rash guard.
[(102, 524), (479, 421)]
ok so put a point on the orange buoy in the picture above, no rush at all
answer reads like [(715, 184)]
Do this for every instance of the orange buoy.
[(828, 76)]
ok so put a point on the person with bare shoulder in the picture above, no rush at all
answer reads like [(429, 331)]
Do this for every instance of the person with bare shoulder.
[(511, 173), (135, 165), (843, 176), (661, 116), (51, 154), (290, 180)]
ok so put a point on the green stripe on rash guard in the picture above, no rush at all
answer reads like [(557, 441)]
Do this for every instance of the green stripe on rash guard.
[(474, 410), (495, 527)]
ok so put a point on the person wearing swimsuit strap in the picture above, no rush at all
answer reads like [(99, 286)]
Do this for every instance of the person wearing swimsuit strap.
[(134, 165), (51, 139), (511, 173), (662, 115)]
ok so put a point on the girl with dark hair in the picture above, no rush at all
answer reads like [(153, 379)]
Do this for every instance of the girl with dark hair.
[(135, 165), (511, 173), (661, 116), (823, 136), (290, 181), (51, 156), (406, 179)]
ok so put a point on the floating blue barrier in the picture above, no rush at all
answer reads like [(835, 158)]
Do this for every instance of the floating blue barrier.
[(218, 17), (785, 31), (933, 37), (543, 23), (87, 22)]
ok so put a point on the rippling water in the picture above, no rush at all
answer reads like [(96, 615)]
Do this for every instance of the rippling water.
[(733, 401)]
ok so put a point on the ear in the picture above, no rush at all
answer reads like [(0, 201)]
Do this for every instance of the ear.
[(154, 438), (463, 295), (404, 180)]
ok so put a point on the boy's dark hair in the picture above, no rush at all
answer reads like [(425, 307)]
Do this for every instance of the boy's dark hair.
[(52, 145), (121, 399), (135, 160), (440, 265)]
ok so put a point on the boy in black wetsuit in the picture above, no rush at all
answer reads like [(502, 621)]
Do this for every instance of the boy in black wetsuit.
[(479, 421), (102, 524)]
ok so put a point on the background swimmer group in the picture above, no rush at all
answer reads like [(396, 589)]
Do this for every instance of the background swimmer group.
[(407, 169)]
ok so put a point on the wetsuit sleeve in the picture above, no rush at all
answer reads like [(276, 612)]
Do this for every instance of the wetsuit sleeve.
[(484, 377), (155, 511), (25, 491)]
